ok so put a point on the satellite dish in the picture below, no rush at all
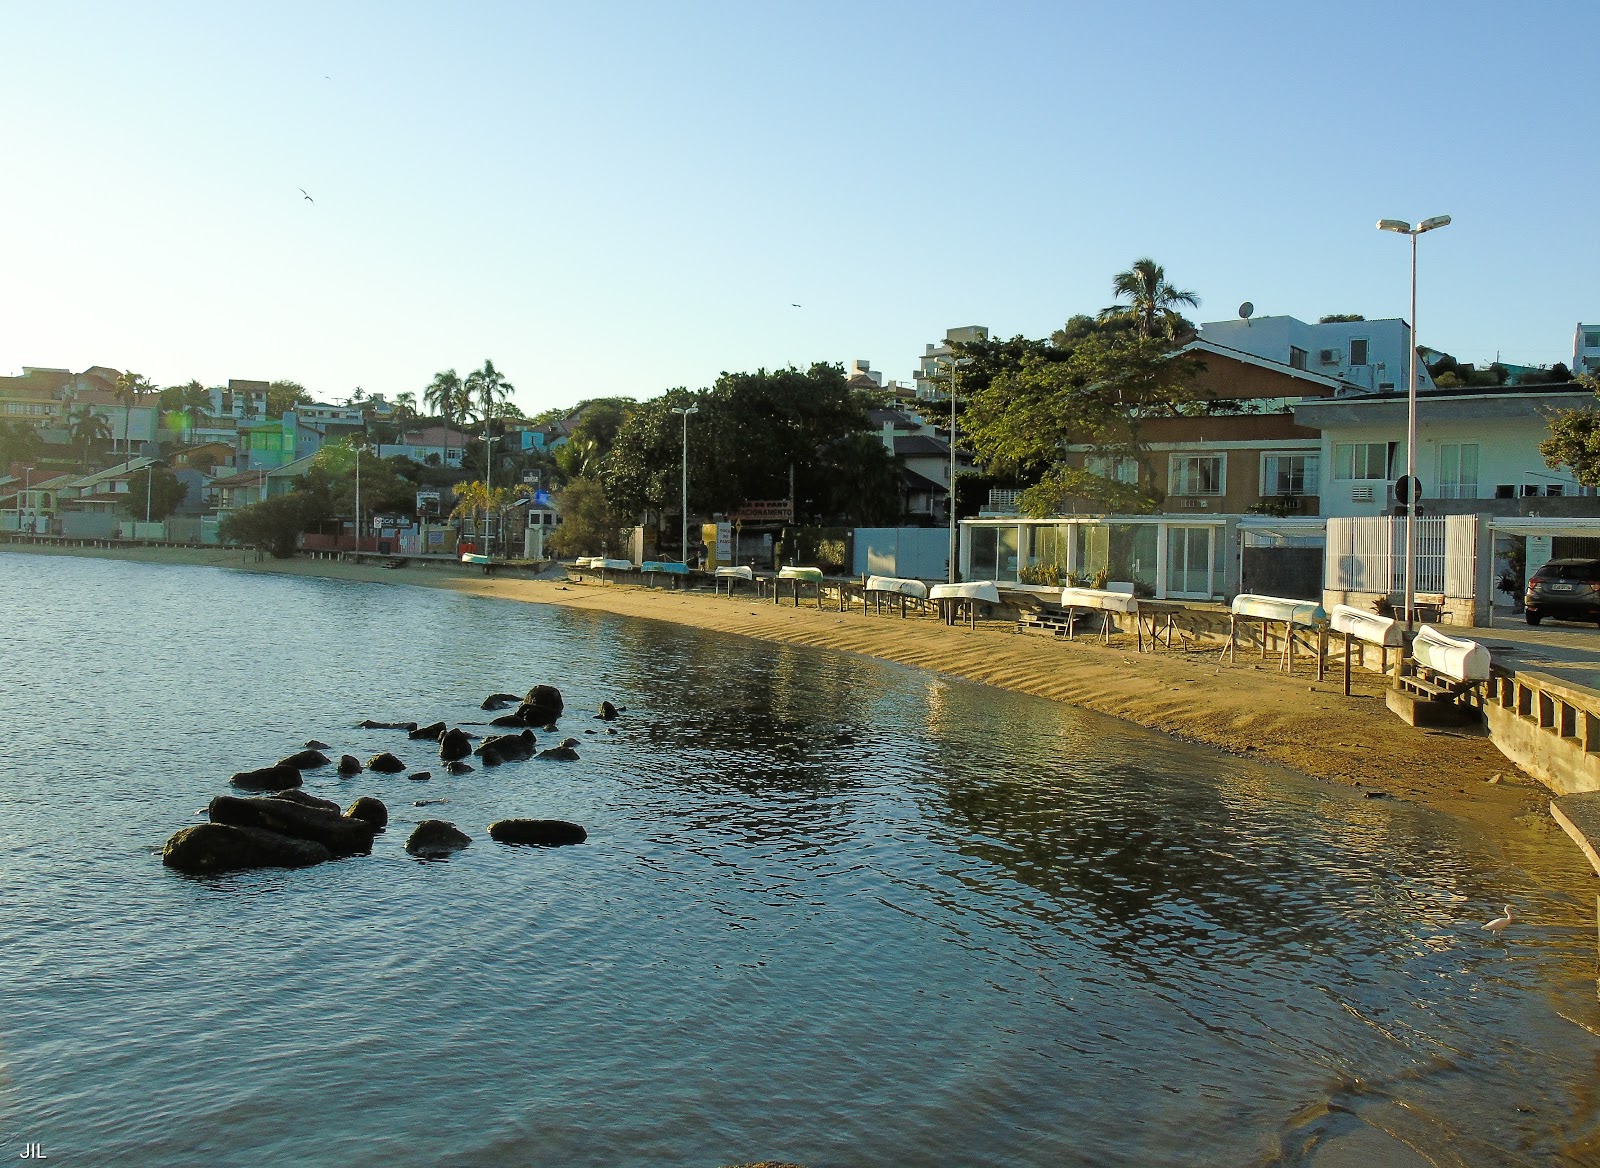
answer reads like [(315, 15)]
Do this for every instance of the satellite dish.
[(1246, 310)]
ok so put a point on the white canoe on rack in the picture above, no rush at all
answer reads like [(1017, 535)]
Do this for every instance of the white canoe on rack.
[(1461, 659), (1098, 598), (967, 590), (611, 565), (1278, 608), (898, 586), (475, 558), (1365, 626), (735, 573), (673, 566), (804, 575)]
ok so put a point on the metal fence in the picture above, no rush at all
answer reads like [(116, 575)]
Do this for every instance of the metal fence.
[(1368, 554)]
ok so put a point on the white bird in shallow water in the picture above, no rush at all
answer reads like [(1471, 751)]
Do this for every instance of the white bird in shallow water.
[(1499, 923)]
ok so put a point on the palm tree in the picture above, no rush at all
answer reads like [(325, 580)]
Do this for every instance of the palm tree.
[(85, 428), (131, 387), (446, 394), (1151, 300), (489, 386)]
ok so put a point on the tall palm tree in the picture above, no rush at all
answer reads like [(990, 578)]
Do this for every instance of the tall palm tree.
[(85, 428), (446, 394), (488, 387), (131, 387), (1152, 301)]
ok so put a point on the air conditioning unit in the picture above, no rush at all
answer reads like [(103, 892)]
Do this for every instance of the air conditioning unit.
[(1328, 356)]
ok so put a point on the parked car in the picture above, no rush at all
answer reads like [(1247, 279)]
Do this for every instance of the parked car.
[(1565, 590)]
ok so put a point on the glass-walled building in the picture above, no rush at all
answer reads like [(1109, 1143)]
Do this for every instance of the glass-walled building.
[(1163, 558)]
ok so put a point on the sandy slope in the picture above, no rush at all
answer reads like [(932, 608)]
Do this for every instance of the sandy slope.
[(1238, 707)]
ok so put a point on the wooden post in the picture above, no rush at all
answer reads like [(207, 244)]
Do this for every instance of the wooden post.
[(1347, 664), (1322, 651)]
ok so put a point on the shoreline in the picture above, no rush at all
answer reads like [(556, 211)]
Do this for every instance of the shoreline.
[(1245, 708)]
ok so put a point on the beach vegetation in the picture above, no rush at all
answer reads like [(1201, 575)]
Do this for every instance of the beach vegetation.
[(590, 524), (274, 525), (331, 479)]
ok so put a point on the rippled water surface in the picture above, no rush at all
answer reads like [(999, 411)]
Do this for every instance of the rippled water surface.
[(830, 911)]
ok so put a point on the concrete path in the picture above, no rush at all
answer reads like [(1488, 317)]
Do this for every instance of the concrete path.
[(1569, 650)]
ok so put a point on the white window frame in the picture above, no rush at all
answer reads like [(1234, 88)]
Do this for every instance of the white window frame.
[(1179, 481), (1311, 473), (1113, 468), (1369, 475), (1456, 485)]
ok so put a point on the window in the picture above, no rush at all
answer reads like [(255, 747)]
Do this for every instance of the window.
[(1297, 358), (1366, 460), (1358, 350), (1290, 474), (1195, 474), (1591, 340), (1458, 470), (1118, 470)]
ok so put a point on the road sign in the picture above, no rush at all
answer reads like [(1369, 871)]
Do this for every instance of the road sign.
[(1408, 489)]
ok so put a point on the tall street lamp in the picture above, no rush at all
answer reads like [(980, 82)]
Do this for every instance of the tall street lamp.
[(686, 413), (1413, 487), (950, 504)]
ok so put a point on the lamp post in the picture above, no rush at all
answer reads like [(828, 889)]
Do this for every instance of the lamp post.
[(950, 504), (686, 413), (1401, 227)]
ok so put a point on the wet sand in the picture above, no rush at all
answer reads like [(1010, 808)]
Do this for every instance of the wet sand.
[(1243, 707)]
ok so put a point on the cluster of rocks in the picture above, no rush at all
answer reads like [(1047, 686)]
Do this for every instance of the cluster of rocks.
[(290, 828)]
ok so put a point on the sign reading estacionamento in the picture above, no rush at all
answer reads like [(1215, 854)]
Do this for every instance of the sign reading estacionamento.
[(766, 511)]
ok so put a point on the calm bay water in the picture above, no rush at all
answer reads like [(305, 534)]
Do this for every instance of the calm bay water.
[(830, 911)]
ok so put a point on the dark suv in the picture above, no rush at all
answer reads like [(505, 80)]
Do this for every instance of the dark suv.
[(1566, 590)]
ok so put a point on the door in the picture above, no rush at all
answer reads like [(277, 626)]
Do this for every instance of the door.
[(1189, 562)]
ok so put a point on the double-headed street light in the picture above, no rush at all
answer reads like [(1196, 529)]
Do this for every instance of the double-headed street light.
[(950, 505), (686, 412), (1413, 487)]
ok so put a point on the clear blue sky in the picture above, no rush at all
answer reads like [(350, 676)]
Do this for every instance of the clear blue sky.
[(621, 198)]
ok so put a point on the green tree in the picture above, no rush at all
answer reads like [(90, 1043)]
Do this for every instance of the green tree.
[(274, 525), (19, 442), (863, 485), (487, 389), (85, 428), (590, 525), (331, 478), (165, 493), (1098, 397), (1574, 440), (131, 388), (283, 396), (1340, 318), (1152, 301), (447, 395)]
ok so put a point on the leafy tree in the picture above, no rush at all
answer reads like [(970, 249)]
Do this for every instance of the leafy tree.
[(1099, 396), (283, 396), (85, 428), (19, 442), (275, 524), (332, 479), (446, 394), (863, 488), (165, 493), (1152, 301), (1340, 318), (1575, 438), (590, 525)]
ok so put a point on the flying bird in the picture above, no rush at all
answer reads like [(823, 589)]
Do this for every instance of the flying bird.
[(1499, 923), (309, 199), (796, 305)]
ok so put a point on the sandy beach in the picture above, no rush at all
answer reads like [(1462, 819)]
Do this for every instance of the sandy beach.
[(1244, 707)]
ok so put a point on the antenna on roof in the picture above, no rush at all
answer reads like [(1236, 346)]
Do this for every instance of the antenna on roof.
[(1246, 311)]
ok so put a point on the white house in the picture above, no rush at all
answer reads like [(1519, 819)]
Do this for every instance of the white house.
[(1369, 355), (933, 367), (1473, 443), (1586, 349)]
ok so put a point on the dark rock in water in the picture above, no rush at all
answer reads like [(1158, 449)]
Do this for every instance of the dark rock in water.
[(349, 764), (218, 847), (272, 778), (542, 706), (385, 764), (562, 753), (589, 731), (341, 836), (544, 833), (513, 720), (454, 744), (316, 745), (369, 724), (609, 730), (420, 776), (499, 701), (490, 757), (508, 747), (306, 799), (434, 838), (432, 732), (429, 802), (370, 810), (305, 760), (608, 712), (457, 767)]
